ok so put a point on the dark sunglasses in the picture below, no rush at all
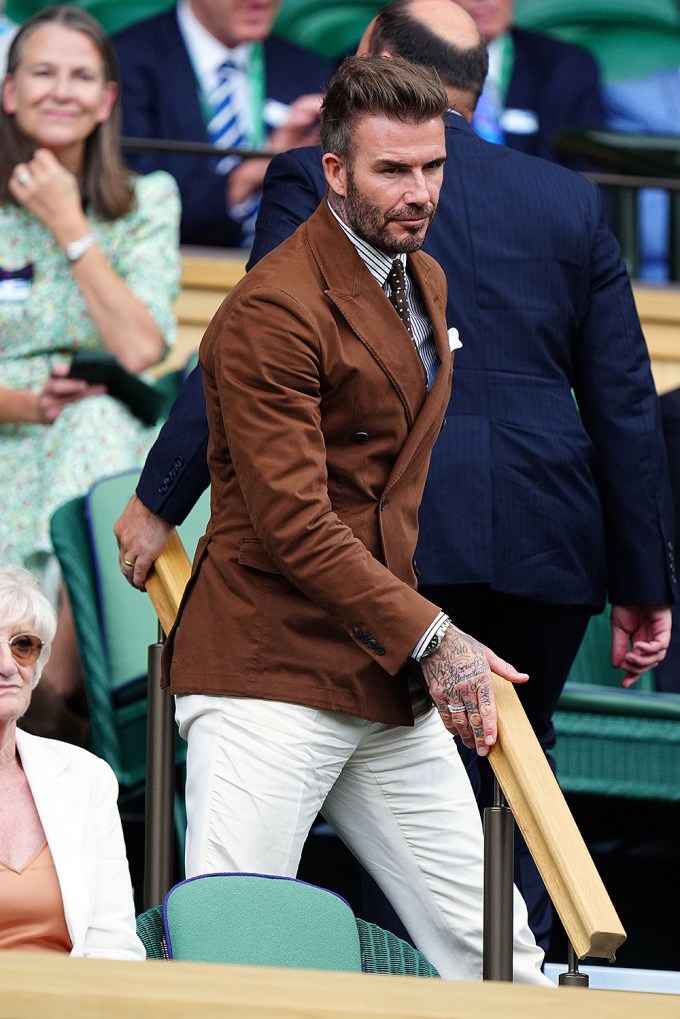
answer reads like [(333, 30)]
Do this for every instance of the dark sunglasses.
[(24, 647)]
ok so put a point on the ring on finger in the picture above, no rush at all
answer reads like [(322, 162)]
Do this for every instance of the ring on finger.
[(126, 562), (453, 708), (23, 176)]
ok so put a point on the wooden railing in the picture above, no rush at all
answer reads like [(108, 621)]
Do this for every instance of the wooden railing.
[(539, 808)]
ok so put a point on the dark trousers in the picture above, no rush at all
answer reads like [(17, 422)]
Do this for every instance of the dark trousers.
[(542, 640), (668, 671)]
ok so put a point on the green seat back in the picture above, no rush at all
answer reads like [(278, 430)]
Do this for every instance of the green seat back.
[(113, 16), (629, 39), (256, 920), (330, 29), (127, 617), (114, 623), (381, 951)]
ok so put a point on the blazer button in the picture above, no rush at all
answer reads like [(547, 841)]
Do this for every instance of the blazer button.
[(179, 460), (384, 502), (373, 644), (380, 650), (357, 631), (360, 437)]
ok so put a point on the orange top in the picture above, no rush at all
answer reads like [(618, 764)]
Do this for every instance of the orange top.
[(31, 907)]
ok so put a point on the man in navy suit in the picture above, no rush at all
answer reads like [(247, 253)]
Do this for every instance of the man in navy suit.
[(537, 84), (548, 487), (170, 67)]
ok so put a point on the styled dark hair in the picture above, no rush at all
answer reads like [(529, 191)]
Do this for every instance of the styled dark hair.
[(397, 31), (387, 86), (105, 186)]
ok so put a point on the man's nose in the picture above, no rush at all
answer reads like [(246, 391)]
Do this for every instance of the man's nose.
[(418, 192)]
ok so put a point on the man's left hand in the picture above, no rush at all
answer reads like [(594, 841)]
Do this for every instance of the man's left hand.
[(640, 638), (458, 676)]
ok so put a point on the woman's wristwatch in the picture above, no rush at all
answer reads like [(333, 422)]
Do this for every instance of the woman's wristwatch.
[(76, 249)]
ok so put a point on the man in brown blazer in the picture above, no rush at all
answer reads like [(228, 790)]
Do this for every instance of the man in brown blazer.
[(327, 372)]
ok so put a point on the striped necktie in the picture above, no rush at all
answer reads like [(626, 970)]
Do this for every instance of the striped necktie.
[(224, 127)]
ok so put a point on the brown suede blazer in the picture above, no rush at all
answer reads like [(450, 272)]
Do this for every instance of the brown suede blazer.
[(303, 587)]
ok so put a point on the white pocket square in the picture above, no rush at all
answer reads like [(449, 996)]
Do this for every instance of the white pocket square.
[(454, 339)]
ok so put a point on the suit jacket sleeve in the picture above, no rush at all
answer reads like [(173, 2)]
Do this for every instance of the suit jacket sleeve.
[(176, 471), (293, 187), (620, 410)]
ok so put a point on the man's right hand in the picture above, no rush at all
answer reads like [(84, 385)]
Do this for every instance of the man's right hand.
[(141, 535)]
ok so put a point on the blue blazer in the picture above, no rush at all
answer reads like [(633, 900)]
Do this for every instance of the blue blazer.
[(560, 83), (549, 480), (161, 98)]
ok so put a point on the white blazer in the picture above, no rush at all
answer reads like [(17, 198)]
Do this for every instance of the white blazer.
[(76, 797)]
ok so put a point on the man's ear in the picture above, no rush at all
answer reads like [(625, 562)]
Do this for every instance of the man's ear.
[(336, 174)]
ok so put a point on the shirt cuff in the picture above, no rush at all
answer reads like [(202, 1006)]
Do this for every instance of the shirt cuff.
[(417, 652)]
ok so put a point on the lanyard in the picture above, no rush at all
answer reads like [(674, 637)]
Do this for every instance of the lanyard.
[(506, 49)]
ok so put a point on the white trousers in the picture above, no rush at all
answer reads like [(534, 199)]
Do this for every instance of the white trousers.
[(259, 772)]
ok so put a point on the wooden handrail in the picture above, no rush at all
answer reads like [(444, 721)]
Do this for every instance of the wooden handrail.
[(167, 580), (536, 801), (542, 815)]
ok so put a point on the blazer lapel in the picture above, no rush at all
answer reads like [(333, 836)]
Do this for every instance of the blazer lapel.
[(60, 793), (368, 312), (431, 415)]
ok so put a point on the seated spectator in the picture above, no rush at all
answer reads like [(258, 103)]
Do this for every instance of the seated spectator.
[(649, 105), (64, 877), (209, 71), (537, 85), (89, 261)]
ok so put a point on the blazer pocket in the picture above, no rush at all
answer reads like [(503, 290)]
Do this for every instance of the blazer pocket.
[(251, 553)]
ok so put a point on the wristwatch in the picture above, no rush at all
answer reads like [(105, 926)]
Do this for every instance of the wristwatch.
[(436, 639), (76, 249)]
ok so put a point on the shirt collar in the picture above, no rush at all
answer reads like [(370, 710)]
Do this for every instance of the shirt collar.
[(375, 260), (207, 53)]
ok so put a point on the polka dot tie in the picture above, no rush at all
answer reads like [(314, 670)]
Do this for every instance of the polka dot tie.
[(397, 284)]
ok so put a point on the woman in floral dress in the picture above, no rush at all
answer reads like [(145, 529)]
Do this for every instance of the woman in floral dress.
[(89, 261)]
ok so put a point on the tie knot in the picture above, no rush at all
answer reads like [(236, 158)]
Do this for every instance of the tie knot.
[(226, 69)]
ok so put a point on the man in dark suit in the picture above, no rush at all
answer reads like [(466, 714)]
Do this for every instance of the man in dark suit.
[(537, 84), (170, 68), (538, 505)]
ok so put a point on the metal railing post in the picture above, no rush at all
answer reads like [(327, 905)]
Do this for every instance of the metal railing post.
[(160, 791), (499, 857)]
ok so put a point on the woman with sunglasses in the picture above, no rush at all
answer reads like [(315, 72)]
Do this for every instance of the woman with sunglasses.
[(64, 877), (89, 261)]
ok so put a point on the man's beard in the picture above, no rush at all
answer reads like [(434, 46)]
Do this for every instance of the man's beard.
[(370, 223)]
